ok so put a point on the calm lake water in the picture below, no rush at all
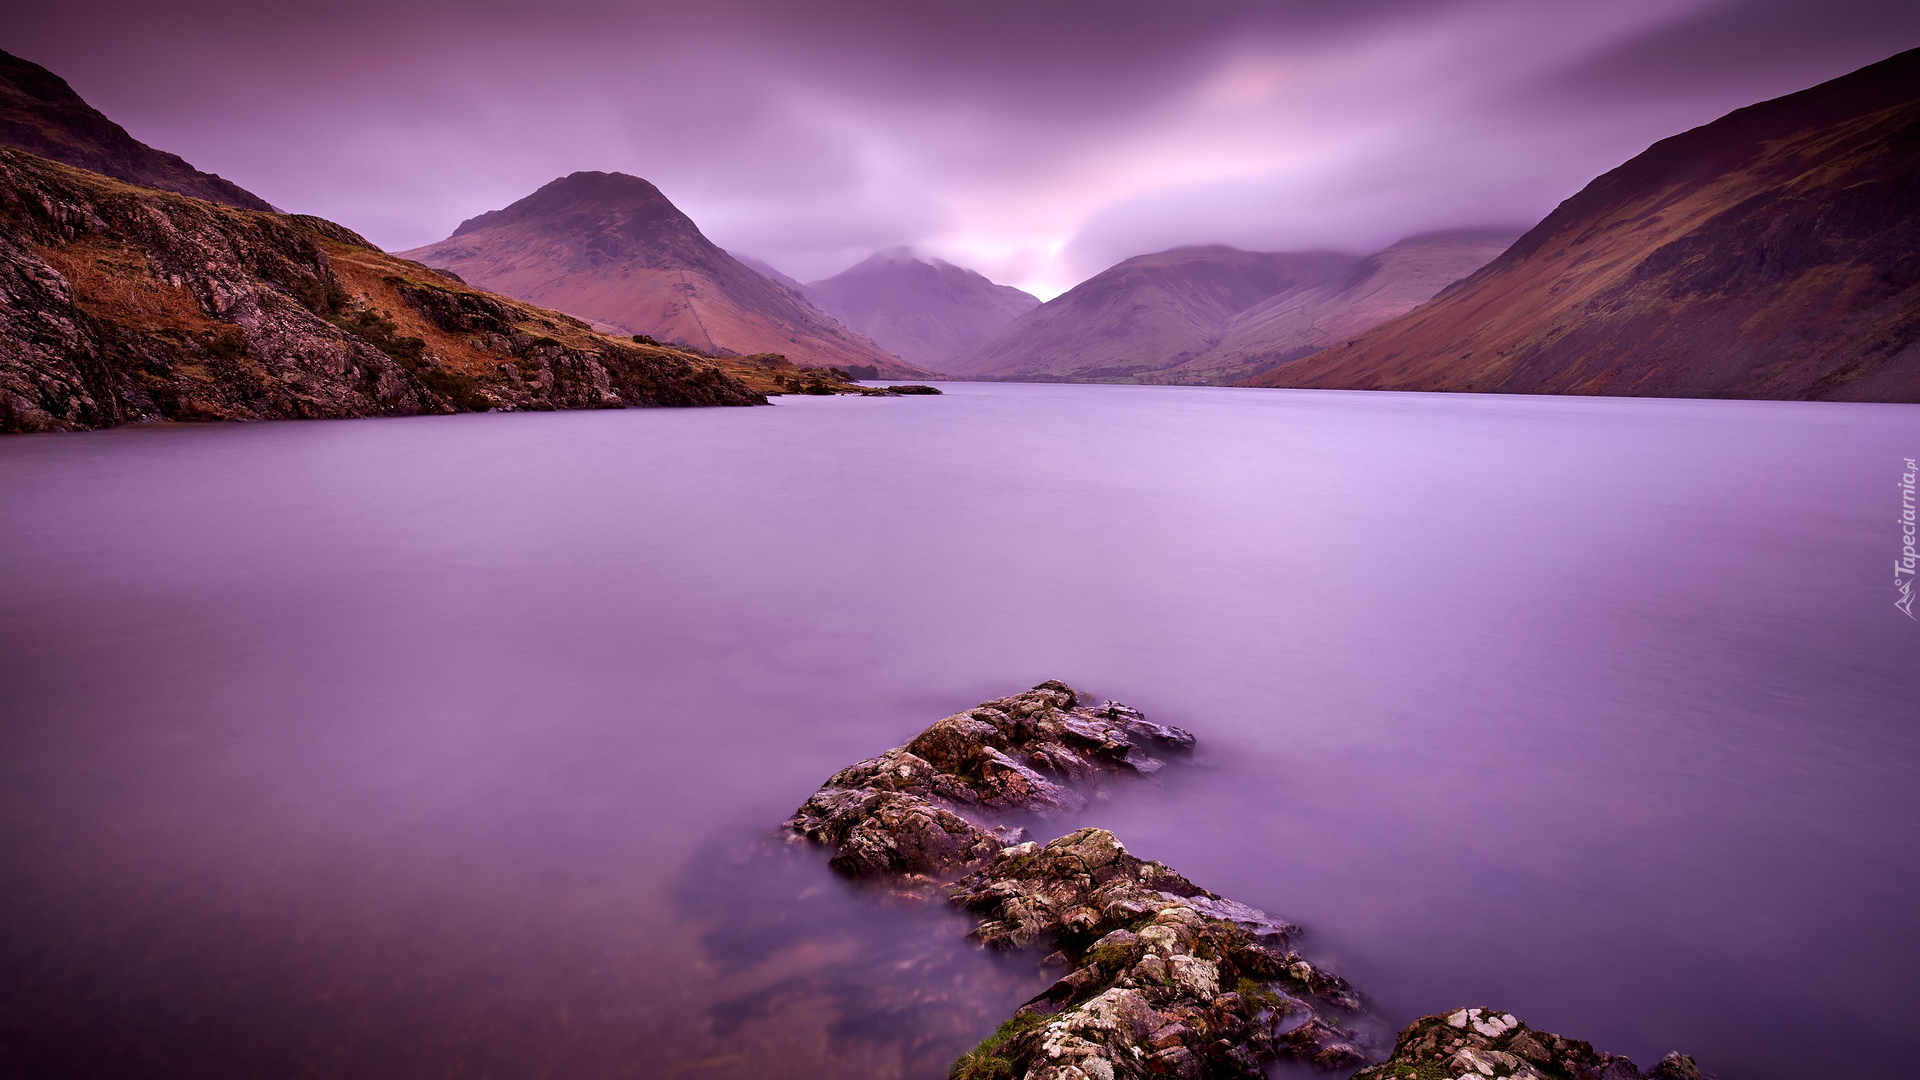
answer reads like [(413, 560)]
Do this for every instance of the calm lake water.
[(444, 746)]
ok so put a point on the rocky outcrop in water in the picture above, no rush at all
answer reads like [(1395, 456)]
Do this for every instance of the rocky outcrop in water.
[(121, 303), (1163, 978), (917, 809), (1473, 1044)]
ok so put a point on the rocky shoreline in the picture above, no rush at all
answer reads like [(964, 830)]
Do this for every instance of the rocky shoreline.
[(1161, 978)]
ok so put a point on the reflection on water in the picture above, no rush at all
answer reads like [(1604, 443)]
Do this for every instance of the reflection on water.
[(893, 974), (440, 746)]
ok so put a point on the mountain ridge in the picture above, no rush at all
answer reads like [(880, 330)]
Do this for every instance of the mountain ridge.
[(1773, 253), (41, 114), (131, 304)]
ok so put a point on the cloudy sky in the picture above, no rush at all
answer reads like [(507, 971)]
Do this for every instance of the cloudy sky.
[(1037, 141)]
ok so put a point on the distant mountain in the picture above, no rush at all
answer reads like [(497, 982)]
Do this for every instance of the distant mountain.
[(609, 247), (1145, 315), (40, 113), (927, 311), (1774, 253), (1379, 287)]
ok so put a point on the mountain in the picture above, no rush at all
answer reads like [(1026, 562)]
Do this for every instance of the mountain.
[(1379, 287), (610, 248), (1774, 253), (40, 113), (127, 303), (928, 312), (1144, 315)]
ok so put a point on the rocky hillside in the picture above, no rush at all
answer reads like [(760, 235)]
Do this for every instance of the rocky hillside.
[(927, 312), (1144, 315), (611, 248), (1774, 253), (40, 113), (125, 303), (1381, 286)]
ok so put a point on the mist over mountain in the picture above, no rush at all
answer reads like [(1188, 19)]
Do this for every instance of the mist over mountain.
[(768, 270), (1379, 287), (1144, 315), (41, 114), (1773, 253), (927, 311), (611, 248)]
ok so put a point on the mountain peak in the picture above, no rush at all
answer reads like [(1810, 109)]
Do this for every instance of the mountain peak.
[(615, 198)]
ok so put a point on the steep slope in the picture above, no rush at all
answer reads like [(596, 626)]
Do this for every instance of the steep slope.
[(1774, 253), (126, 303), (1381, 286), (40, 113), (1144, 315), (927, 312), (609, 247)]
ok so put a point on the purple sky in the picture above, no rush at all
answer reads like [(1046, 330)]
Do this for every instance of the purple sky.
[(1037, 141)]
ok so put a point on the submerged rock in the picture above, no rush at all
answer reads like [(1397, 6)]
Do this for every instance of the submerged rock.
[(1472, 1044)]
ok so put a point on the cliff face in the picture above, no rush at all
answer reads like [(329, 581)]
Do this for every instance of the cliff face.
[(1774, 253), (611, 248), (927, 312), (40, 113), (1144, 315), (120, 303)]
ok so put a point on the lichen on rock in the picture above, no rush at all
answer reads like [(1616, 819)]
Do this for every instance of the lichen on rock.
[(1165, 978)]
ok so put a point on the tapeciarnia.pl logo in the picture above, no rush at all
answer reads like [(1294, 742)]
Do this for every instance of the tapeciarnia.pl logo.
[(1903, 566)]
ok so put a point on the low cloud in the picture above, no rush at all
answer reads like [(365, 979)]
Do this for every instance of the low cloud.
[(1037, 141)]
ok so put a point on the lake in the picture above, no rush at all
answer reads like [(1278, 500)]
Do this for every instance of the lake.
[(448, 746)]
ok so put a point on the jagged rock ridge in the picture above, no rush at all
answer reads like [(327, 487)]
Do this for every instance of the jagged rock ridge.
[(40, 113), (927, 311), (610, 248), (1774, 253), (124, 303)]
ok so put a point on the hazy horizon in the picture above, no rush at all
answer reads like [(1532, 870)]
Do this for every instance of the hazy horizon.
[(1037, 145)]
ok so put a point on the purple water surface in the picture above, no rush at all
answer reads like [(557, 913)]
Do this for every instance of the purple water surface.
[(442, 746)]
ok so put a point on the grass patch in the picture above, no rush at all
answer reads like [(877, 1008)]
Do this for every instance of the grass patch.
[(983, 1062)]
